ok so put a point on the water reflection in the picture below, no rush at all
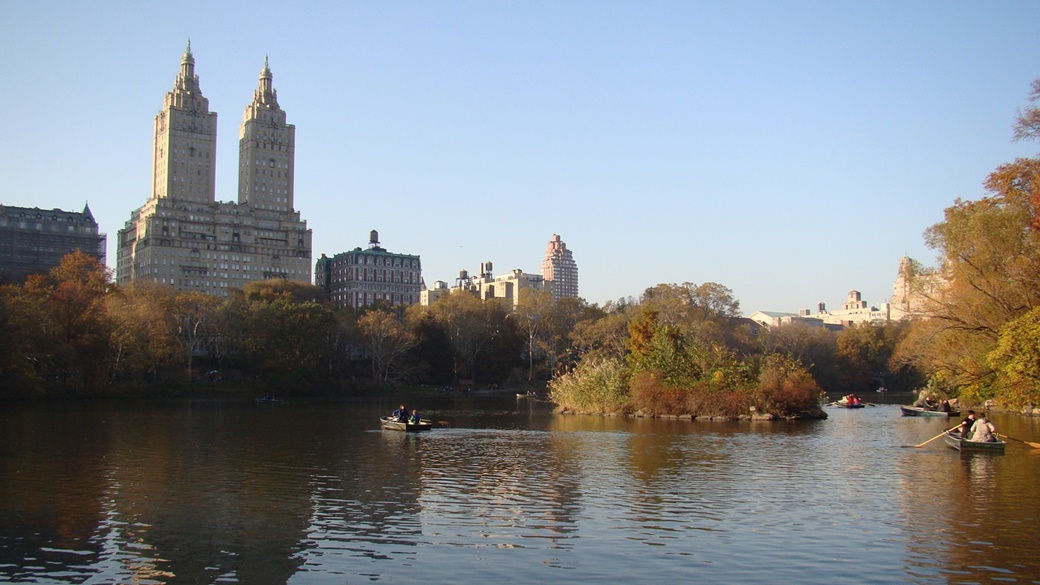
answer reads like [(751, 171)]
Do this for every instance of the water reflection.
[(206, 492)]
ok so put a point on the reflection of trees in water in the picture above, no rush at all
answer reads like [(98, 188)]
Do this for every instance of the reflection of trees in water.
[(51, 486), (214, 493), (497, 487), (970, 512), (368, 505)]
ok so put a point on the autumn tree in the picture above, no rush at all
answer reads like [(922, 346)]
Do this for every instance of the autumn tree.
[(386, 339), (533, 314), (142, 343), (990, 264), (602, 333)]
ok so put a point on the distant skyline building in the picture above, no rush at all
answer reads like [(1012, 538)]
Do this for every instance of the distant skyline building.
[(361, 277), (486, 286), (560, 270), (34, 240), (182, 236)]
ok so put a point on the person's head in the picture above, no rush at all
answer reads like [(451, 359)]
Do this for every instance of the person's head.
[(416, 411), (982, 416), (971, 414)]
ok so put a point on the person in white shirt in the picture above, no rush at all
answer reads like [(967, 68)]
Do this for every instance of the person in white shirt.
[(983, 431)]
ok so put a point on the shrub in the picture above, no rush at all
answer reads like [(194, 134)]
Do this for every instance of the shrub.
[(593, 386)]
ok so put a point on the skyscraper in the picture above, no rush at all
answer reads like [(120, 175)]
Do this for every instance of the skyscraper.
[(183, 236), (560, 270)]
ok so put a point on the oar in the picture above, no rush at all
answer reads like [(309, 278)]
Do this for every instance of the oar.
[(929, 440), (1030, 443)]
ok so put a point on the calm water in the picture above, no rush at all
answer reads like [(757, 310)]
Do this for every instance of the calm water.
[(313, 492)]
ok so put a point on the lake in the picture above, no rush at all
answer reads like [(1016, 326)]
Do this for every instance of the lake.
[(311, 491)]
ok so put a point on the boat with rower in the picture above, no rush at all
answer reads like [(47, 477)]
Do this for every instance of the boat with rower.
[(390, 423), (953, 439), (921, 411)]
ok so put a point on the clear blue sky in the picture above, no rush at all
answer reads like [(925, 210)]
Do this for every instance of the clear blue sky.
[(791, 151)]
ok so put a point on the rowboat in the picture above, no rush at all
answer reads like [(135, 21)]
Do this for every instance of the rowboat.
[(389, 423), (920, 411), (846, 404), (953, 439)]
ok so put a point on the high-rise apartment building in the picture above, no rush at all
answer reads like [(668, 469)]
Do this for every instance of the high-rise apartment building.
[(34, 240), (360, 277), (183, 236), (560, 270)]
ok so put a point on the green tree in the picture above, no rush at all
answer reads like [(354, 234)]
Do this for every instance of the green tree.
[(1016, 360)]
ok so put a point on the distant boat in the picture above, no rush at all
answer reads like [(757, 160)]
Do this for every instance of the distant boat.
[(529, 393), (881, 389), (848, 404), (919, 411), (390, 423), (953, 439), (268, 400)]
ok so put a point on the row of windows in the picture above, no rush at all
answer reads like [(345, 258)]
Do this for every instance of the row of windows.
[(384, 275), (380, 260), (87, 229)]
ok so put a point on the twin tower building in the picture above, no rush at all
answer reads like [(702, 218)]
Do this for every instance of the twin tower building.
[(183, 237)]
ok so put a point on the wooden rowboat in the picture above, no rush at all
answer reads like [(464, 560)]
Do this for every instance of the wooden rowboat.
[(953, 439), (919, 411), (389, 423), (841, 404)]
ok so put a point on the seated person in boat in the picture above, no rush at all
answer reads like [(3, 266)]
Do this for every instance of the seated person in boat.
[(983, 431), (965, 428), (415, 418), (944, 406), (852, 399), (923, 401), (401, 414)]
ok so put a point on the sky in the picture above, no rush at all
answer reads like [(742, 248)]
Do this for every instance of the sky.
[(791, 151)]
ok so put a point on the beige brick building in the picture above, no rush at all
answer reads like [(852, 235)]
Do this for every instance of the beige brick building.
[(182, 236)]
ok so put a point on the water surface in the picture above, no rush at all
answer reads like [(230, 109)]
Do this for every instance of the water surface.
[(314, 492)]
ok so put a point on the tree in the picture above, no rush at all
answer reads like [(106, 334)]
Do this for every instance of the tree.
[(601, 334), (462, 317), (386, 339), (533, 312), (192, 319), (71, 305), (285, 329), (990, 258), (142, 343), (1016, 360)]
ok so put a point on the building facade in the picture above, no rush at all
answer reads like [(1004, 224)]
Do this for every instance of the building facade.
[(182, 236), (361, 277), (34, 240), (486, 286), (560, 270)]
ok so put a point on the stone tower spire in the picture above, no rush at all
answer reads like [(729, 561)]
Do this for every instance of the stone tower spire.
[(185, 145), (187, 82), (266, 151)]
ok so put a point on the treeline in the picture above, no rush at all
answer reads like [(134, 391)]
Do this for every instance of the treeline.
[(74, 332)]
